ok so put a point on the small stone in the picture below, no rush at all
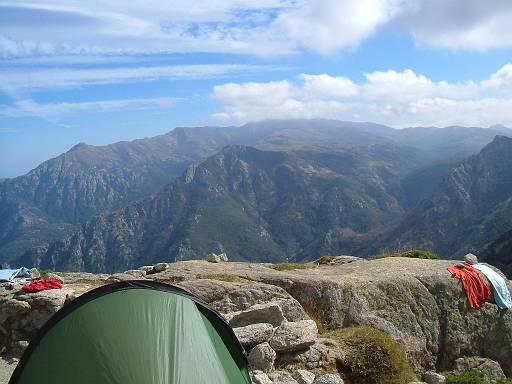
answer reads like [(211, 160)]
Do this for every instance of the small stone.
[(262, 357), (19, 347), (434, 378), (253, 334), (259, 377), (303, 377), (294, 336), (328, 379), (282, 377), (259, 313), (159, 267)]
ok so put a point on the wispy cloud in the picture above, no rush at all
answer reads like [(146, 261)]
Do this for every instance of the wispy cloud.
[(55, 111), (397, 98), (258, 27), (33, 80)]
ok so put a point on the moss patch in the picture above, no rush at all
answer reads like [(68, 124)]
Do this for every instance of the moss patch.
[(219, 276), (288, 266), (411, 253), (372, 356)]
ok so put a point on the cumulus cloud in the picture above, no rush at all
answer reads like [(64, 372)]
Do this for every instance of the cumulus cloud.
[(327, 25), (396, 98), (472, 25)]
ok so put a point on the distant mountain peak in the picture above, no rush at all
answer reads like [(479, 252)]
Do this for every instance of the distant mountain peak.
[(78, 146)]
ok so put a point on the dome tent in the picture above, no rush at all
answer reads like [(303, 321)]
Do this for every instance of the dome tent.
[(134, 332)]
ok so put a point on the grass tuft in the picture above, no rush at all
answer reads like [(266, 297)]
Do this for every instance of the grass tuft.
[(372, 356), (472, 377)]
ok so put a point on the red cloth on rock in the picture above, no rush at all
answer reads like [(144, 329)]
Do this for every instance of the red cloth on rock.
[(477, 290), (42, 285)]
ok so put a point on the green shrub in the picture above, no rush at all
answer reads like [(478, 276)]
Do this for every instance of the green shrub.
[(44, 274), (326, 260), (411, 253), (372, 356), (473, 377), (288, 266)]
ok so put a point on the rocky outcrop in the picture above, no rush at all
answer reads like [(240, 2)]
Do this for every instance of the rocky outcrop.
[(414, 301)]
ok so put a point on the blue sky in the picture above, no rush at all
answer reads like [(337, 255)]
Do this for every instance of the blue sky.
[(103, 71)]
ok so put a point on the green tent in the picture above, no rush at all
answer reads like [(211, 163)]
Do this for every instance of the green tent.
[(134, 332)]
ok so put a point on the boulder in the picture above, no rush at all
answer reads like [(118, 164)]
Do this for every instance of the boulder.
[(323, 354), (294, 336), (231, 297), (431, 377), (259, 313), (253, 334), (328, 379), (159, 267), (214, 258), (262, 357), (302, 376), (282, 377), (490, 369)]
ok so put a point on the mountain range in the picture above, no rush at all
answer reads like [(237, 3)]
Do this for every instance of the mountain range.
[(268, 191)]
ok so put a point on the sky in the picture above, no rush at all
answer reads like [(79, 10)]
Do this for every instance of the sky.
[(102, 71)]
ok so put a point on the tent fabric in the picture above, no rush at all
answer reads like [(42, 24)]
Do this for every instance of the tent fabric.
[(10, 274), (132, 333)]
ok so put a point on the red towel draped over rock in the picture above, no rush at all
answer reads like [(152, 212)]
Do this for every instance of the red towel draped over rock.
[(477, 290), (42, 285)]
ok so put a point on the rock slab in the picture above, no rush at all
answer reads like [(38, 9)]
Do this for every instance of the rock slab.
[(294, 336), (254, 334)]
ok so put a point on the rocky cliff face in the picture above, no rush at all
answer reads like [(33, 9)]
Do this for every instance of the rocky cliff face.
[(415, 302), (471, 207), (254, 204), (63, 192)]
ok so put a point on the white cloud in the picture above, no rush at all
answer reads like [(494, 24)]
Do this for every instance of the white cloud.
[(408, 86), (396, 98), (472, 25), (268, 94), (56, 111), (328, 86), (501, 80), (257, 27), (327, 25)]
